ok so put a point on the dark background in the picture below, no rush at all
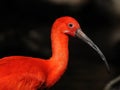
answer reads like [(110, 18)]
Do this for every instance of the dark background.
[(25, 30)]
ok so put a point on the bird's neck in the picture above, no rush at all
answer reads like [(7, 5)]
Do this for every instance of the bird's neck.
[(59, 46), (59, 58)]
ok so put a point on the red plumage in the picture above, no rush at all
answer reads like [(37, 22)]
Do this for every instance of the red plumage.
[(28, 73)]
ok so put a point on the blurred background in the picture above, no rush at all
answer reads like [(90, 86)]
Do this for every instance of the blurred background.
[(25, 30)]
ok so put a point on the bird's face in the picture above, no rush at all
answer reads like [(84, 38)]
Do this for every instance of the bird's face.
[(67, 25), (70, 26)]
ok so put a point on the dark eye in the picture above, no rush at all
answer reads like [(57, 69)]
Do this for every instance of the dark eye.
[(71, 25)]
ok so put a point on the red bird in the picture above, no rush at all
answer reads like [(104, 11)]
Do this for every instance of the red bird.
[(28, 73)]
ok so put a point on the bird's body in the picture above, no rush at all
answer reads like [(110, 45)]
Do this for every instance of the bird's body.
[(22, 73), (28, 73)]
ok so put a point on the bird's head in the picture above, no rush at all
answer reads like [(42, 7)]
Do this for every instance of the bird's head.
[(70, 26), (67, 25)]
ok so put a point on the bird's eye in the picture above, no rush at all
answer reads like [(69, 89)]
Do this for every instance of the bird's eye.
[(70, 25)]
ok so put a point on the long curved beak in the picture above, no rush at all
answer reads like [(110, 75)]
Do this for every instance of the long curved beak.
[(87, 40)]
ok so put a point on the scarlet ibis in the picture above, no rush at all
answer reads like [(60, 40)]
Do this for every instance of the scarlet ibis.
[(28, 73)]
